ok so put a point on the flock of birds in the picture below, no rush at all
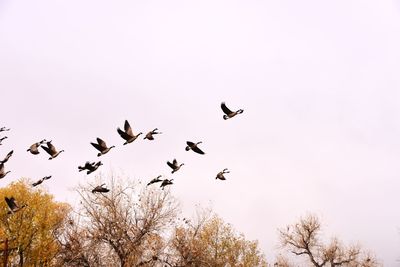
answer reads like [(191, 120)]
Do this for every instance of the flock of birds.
[(126, 134)]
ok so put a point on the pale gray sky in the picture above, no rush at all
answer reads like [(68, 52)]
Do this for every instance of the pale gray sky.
[(318, 80)]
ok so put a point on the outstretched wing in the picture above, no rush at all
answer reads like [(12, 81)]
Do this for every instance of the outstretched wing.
[(52, 148), (11, 203), (128, 128), (225, 109), (198, 150), (8, 156), (191, 144), (101, 143), (48, 150), (97, 146), (123, 134), (171, 165)]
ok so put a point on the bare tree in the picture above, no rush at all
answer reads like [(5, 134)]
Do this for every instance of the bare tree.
[(303, 238)]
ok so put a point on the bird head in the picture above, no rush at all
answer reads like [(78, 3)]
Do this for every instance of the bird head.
[(226, 117)]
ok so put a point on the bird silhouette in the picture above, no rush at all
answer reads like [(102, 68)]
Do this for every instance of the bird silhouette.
[(7, 157), (12, 205), (166, 182), (41, 181), (128, 134), (101, 146), (155, 180), (174, 165), (220, 175), (34, 149), (3, 138), (2, 172), (51, 150), (150, 134), (229, 113), (194, 147), (100, 189)]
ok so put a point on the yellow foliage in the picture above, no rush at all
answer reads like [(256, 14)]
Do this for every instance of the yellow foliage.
[(31, 231)]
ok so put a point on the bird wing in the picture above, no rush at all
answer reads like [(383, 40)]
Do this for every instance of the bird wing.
[(11, 203), (128, 128), (198, 150), (101, 143), (46, 177), (191, 144), (123, 134), (175, 162), (1, 167), (8, 156), (48, 150), (171, 165), (52, 148), (34, 147), (225, 109)]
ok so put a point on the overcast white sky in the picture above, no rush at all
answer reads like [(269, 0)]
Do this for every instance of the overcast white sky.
[(318, 80)]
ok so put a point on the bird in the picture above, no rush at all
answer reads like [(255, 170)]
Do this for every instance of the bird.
[(34, 148), (3, 129), (2, 172), (1, 139), (229, 113), (174, 165), (220, 175), (90, 166), (150, 134), (128, 135), (165, 183), (41, 181), (7, 157), (51, 150), (12, 205), (100, 189), (155, 180), (194, 147), (101, 146)]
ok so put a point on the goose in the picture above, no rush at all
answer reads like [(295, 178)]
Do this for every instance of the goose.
[(34, 148), (7, 157), (100, 189), (150, 134), (3, 129), (51, 150), (165, 183), (41, 181), (128, 135), (2, 173), (229, 113), (174, 165), (1, 139), (102, 147), (194, 147), (90, 166), (220, 175), (12, 205), (155, 180)]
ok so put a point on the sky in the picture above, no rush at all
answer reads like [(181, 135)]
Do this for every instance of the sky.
[(318, 81)]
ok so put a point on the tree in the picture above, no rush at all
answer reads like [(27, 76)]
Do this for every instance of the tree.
[(303, 238), (211, 242), (30, 234), (124, 227)]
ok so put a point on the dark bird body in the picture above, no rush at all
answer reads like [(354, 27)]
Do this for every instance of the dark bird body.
[(90, 166), (2, 172), (51, 150), (34, 149), (4, 129), (194, 147), (155, 180), (100, 189), (166, 182), (41, 181), (128, 134), (174, 165), (12, 205), (150, 134), (220, 175), (229, 113), (101, 146)]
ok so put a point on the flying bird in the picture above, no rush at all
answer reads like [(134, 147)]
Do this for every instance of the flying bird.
[(1, 139), (165, 183), (34, 149), (41, 181), (150, 134), (155, 180), (51, 150), (174, 165), (194, 147), (101, 146), (90, 166), (127, 135), (100, 189), (229, 113), (2, 172), (12, 205), (220, 175), (7, 157), (3, 129)]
